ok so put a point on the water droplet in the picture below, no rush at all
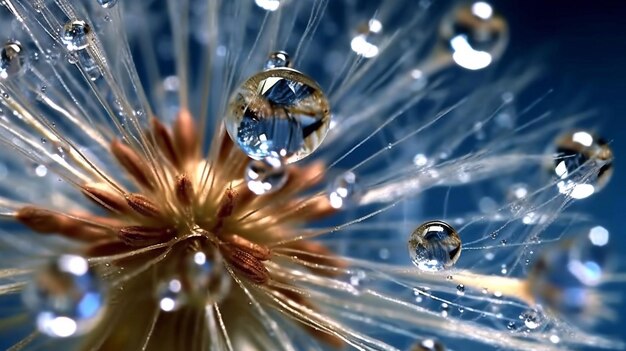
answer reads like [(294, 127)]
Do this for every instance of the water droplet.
[(460, 289), (345, 191), (583, 164), (171, 295), (279, 112), (278, 59), (564, 278), (511, 326), (367, 40), (265, 176), (475, 35), (207, 278), (268, 5), (428, 345), (66, 297), (11, 60), (107, 4), (75, 35), (434, 246), (532, 319)]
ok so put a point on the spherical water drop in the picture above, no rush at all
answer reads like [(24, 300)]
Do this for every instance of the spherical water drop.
[(278, 59), (428, 345), (75, 35), (66, 297), (583, 164), (11, 59), (367, 40), (207, 278), (475, 35), (564, 278), (107, 4), (278, 112), (171, 295), (265, 176), (434, 246), (345, 191), (532, 319)]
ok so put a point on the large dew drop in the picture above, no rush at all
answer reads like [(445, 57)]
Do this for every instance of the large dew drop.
[(75, 35), (475, 35), (564, 279), (434, 246), (206, 277), (11, 59), (583, 164), (279, 112), (66, 297)]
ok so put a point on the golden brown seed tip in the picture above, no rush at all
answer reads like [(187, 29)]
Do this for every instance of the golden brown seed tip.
[(258, 251), (39, 220), (105, 198), (165, 142), (144, 236), (248, 265), (185, 135), (143, 206), (134, 164), (184, 190)]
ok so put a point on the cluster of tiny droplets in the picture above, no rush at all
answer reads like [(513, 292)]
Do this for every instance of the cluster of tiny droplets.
[(279, 117)]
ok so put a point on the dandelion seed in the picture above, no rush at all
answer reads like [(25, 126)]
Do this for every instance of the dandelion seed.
[(205, 202)]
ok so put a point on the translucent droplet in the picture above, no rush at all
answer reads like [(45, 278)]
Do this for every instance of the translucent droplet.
[(268, 5), (475, 35), (434, 246), (345, 191), (75, 35), (171, 295), (460, 289), (11, 59), (366, 42), (66, 297), (278, 59), (532, 319), (564, 278), (107, 4), (428, 345), (207, 278), (278, 112), (583, 164), (265, 176)]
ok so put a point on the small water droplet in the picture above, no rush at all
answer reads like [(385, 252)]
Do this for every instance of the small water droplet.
[(278, 59), (75, 35), (12, 59), (367, 40), (428, 345), (460, 289), (268, 5), (434, 246), (345, 191), (475, 35), (583, 164), (265, 176), (107, 4), (532, 319), (278, 112), (66, 297)]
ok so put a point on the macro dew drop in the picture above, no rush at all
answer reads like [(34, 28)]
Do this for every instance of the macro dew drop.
[(434, 246), (345, 191), (11, 59), (107, 4), (367, 40), (171, 295), (265, 176), (66, 297), (583, 164), (475, 35), (75, 35), (206, 276), (428, 345), (279, 112), (564, 279), (278, 59)]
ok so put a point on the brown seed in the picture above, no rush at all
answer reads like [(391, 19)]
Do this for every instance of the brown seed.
[(251, 267), (105, 198), (143, 206), (185, 135), (47, 222), (144, 236), (184, 190), (165, 142), (40, 220), (258, 251), (134, 164)]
